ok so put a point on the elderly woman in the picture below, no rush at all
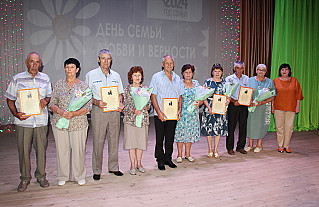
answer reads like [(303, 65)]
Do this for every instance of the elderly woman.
[(70, 142), (214, 124), (135, 138), (187, 129), (285, 106), (259, 120)]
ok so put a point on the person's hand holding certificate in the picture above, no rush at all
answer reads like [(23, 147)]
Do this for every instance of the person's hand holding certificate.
[(170, 108), (110, 95), (30, 101), (245, 94), (219, 104)]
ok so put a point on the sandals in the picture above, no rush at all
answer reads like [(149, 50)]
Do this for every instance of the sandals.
[(212, 154), (216, 155)]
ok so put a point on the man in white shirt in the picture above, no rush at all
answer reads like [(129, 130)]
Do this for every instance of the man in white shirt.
[(30, 129), (103, 122), (236, 112)]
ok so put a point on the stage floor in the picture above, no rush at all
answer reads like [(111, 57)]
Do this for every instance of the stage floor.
[(268, 178)]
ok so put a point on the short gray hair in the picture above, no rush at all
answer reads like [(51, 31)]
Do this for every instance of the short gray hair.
[(163, 59), (33, 53), (104, 51), (239, 62), (261, 66)]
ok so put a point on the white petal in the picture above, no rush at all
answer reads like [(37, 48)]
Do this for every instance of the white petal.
[(88, 11), (48, 52), (48, 5), (40, 37), (69, 50), (58, 55), (82, 31), (70, 4), (78, 46), (58, 4), (38, 18)]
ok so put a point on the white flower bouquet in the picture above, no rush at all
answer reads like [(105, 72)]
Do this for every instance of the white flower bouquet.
[(201, 94), (263, 94)]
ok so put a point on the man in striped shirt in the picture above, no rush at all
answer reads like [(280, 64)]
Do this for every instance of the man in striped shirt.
[(30, 129), (166, 84)]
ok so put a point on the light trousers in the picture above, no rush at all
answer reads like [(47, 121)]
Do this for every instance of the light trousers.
[(284, 121), (105, 123), (70, 148), (25, 137)]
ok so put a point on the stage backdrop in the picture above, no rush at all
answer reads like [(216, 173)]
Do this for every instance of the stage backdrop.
[(137, 32)]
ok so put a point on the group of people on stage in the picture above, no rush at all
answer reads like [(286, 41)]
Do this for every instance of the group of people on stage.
[(71, 140)]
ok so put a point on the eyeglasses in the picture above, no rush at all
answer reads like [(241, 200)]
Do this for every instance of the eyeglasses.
[(261, 70)]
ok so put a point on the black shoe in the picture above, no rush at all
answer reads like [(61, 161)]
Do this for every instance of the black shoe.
[(241, 151), (117, 173), (170, 164), (161, 166), (96, 176), (231, 152)]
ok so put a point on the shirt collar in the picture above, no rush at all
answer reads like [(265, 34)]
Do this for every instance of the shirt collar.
[(173, 74), (102, 71), (27, 73)]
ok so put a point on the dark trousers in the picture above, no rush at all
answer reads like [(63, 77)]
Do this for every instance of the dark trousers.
[(235, 114), (163, 130)]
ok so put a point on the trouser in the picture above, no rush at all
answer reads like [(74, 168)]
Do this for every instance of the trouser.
[(164, 130), (70, 144), (235, 114), (284, 121), (102, 123), (25, 137)]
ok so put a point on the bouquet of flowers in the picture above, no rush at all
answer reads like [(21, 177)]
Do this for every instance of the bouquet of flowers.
[(140, 98), (231, 88), (263, 94), (201, 94), (77, 100)]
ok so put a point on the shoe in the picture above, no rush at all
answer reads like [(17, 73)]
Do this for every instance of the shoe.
[(81, 182), (216, 155), (179, 160), (96, 176), (170, 164), (141, 169), (161, 166), (44, 183), (117, 173), (133, 172), (210, 155), (242, 151), (190, 159), (61, 183), (258, 149), (287, 150), (231, 152), (281, 150), (247, 149), (23, 186)]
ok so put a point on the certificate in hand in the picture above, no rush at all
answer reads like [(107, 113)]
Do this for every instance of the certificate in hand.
[(30, 101), (219, 104), (170, 108), (110, 95), (245, 94)]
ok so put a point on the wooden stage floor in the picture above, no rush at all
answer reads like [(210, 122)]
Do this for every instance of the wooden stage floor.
[(268, 178)]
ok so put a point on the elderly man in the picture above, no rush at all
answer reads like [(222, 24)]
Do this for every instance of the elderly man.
[(166, 84), (103, 122), (30, 129), (237, 112)]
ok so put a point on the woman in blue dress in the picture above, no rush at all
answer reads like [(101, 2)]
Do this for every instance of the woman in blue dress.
[(214, 124), (187, 129)]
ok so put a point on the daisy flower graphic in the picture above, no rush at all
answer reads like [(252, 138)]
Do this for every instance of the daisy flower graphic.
[(61, 31)]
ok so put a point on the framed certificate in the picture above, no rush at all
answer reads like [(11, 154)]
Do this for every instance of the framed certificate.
[(245, 94), (110, 95), (219, 104), (29, 101), (170, 108)]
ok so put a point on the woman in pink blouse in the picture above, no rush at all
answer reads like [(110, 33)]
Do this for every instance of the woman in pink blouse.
[(135, 138)]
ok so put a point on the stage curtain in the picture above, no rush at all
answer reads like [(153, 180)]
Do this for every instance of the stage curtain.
[(256, 34), (295, 41)]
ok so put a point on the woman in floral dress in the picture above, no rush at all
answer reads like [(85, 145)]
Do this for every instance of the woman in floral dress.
[(214, 124), (187, 129)]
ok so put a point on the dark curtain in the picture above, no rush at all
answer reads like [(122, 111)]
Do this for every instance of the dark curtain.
[(256, 34)]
